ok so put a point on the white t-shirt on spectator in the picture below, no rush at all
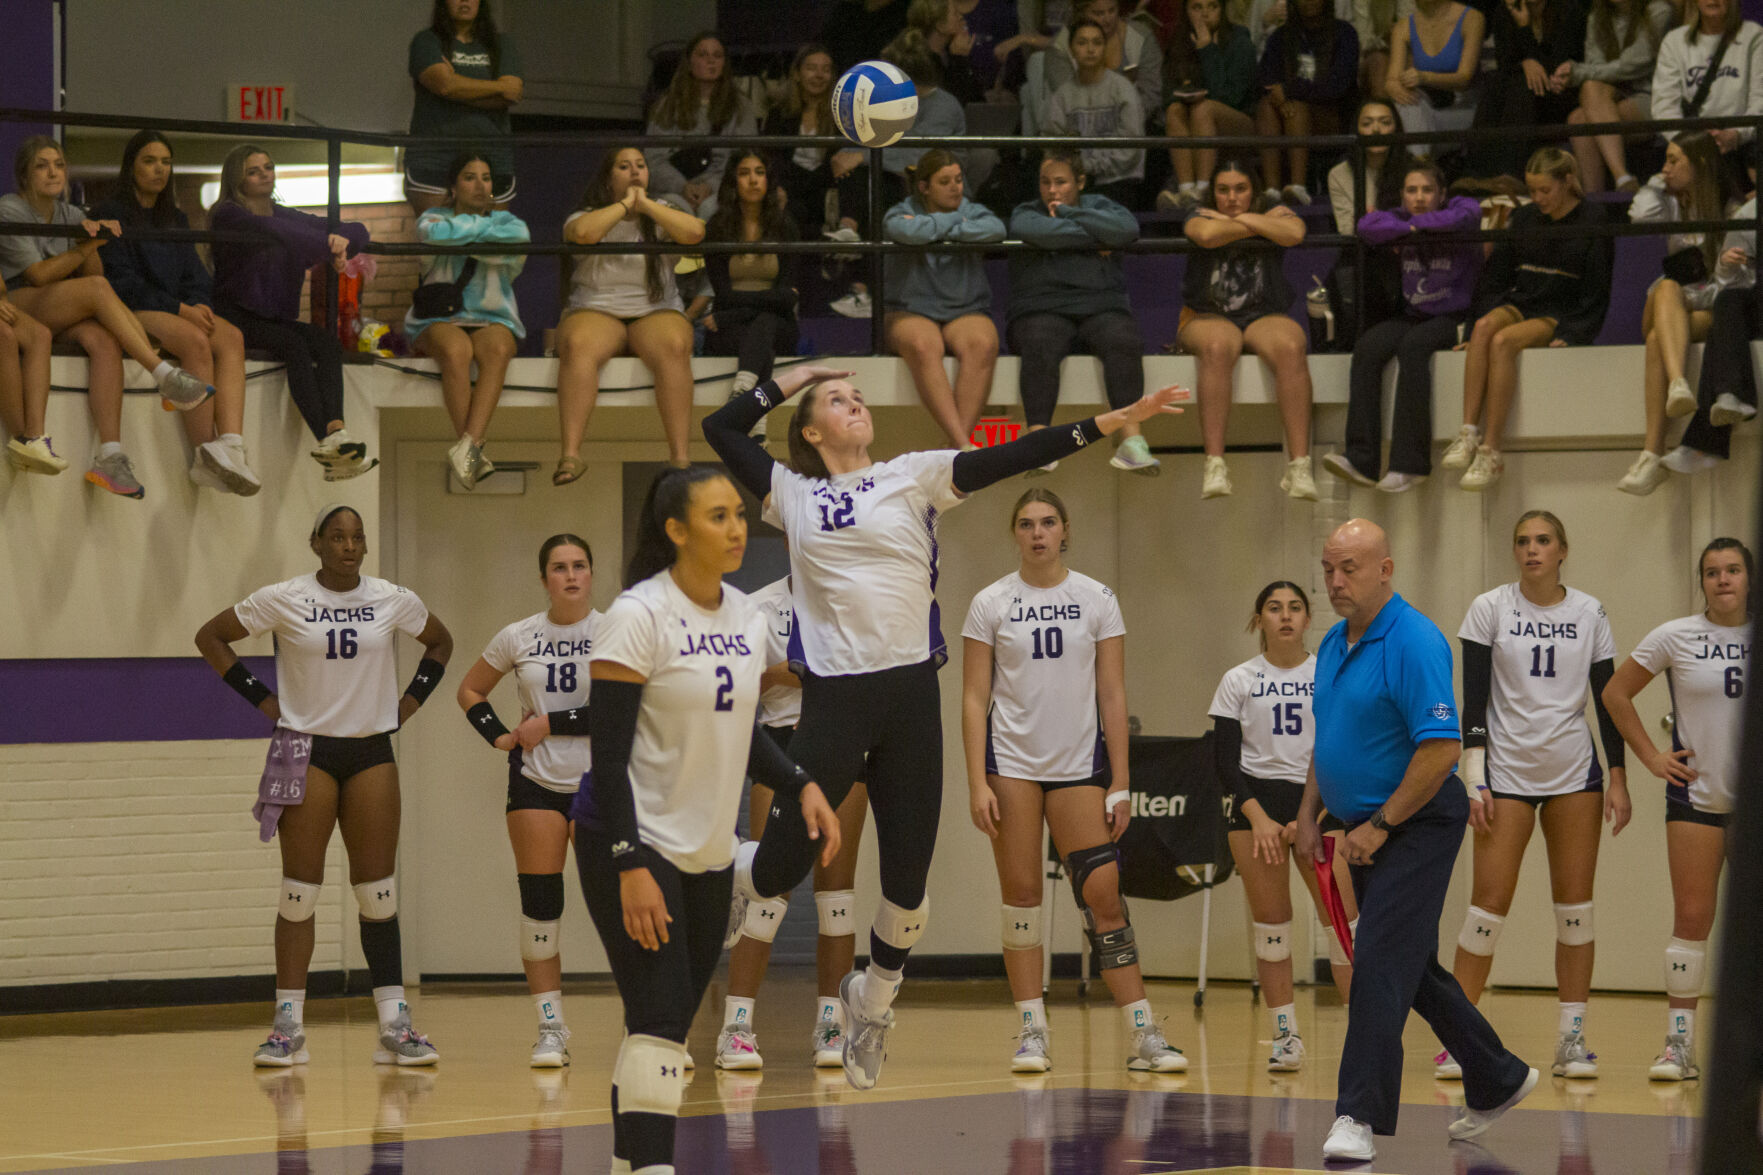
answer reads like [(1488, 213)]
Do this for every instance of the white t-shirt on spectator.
[(618, 283), (550, 666)]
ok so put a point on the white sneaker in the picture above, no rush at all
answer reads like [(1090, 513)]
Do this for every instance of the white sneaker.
[(846, 235), (856, 304), (829, 1045), (1298, 482), (226, 459), (36, 455), (1349, 1139), (1471, 1123), (1729, 409), (1462, 450), (1400, 483), (1446, 1068), (1337, 464), (1684, 459), (1572, 1058), (1031, 1052), (1647, 474), (469, 464), (1675, 1063), (1288, 1053), (1152, 1054), (1134, 456), (1679, 399), (1296, 194), (738, 1048), (202, 476), (342, 456), (1215, 482), (1484, 471), (551, 1051), (1272, 195)]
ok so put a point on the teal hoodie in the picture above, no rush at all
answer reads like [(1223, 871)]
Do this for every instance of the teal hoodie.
[(940, 286), (489, 296), (1077, 284)]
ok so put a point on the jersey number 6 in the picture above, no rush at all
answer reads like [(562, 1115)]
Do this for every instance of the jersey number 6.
[(725, 689), (1735, 681)]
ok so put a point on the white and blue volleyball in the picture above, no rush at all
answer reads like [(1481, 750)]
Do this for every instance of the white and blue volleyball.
[(874, 104)]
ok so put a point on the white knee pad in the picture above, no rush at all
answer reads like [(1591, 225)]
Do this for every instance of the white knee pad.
[(901, 928), (1481, 930), (1337, 953), (764, 917), (299, 900), (837, 910), (540, 940), (1273, 941), (1683, 968), (378, 899), (1022, 927), (1573, 924), (650, 1074)]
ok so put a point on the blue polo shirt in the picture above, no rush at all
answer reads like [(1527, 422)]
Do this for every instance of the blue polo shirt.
[(1375, 703)]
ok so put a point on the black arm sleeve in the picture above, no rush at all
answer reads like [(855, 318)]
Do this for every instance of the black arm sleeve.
[(573, 722), (1602, 672), (1227, 749), (612, 724), (982, 467), (1478, 682), (726, 429), (769, 766)]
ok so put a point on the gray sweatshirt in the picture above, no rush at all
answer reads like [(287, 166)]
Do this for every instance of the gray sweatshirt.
[(940, 286)]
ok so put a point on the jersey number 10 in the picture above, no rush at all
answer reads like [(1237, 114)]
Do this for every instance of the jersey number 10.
[(341, 644), (1049, 642)]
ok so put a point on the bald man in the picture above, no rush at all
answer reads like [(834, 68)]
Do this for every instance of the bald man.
[(1386, 748)]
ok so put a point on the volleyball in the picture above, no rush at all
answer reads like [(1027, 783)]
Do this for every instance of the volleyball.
[(874, 104)]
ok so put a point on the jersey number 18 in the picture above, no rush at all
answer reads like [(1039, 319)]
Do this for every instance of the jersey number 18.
[(560, 678)]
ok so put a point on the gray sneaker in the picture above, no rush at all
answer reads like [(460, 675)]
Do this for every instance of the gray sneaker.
[(1288, 1053), (286, 1045), (1152, 1054), (226, 460), (468, 462), (552, 1049), (1676, 1063), (400, 1044), (866, 1042), (183, 391), (1572, 1059), (1031, 1052), (738, 1048), (829, 1045), (1134, 456), (114, 473)]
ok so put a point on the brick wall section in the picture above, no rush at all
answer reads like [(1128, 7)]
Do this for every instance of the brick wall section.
[(141, 861)]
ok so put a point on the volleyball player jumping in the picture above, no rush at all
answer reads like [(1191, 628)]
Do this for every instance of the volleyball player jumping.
[(863, 560)]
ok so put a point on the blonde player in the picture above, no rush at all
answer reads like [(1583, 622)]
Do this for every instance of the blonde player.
[(1530, 649), (1043, 680), (548, 755), (1706, 659), (1262, 737), (335, 635)]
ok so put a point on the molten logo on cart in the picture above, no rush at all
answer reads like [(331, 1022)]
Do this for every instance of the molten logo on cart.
[(1144, 805)]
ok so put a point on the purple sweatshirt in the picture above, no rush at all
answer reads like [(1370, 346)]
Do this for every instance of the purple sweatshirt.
[(1436, 279), (266, 279)]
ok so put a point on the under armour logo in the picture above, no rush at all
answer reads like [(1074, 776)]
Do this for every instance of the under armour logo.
[(1275, 938), (382, 894), (1022, 926), (1680, 966), (839, 913), (670, 1070), (296, 897), (1573, 922), (768, 913), (541, 938), (1483, 931)]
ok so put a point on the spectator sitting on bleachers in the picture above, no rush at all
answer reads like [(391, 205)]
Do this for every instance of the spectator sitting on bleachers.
[(1098, 104), (945, 35), (1691, 186), (1235, 295), (1223, 106), (1615, 81), (24, 390), (1711, 29), (1533, 39), (1374, 21), (1537, 292), (1435, 70), (257, 289), (1060, 301), (1127, 49), (59, 283), (1265, 16), (939, 303), (1438, 283), (169, 289), (857, 30), (1309, 68), (974, 29), (621, 302), (939, 114), (754, 313), (1382, 288), (810, 173), (464, 310), (1037, 23), (1375, 118), (466, 75), (701, 100), (1727, 391)]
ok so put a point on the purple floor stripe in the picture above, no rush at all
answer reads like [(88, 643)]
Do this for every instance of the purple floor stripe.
[(125, 699)]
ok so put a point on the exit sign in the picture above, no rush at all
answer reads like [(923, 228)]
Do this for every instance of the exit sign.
[(260, 104), (994, 430)]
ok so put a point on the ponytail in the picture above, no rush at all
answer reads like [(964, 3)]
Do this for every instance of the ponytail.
[(669, 496)]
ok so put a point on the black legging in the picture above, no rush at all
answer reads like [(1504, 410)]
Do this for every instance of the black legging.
[(753, 336), (1045, 339), (807, 196), (1726, 367), (1412, 343), (312, 355)]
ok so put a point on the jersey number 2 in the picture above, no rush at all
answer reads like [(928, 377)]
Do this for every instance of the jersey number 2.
[(725, 689), (1288, 718), (342, 644), (560, 678)]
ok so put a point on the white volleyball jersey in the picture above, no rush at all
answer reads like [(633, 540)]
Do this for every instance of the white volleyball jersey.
[(1043, 725), (336, 664), (550, 666), (1706, 668), (1273, 707), (1539, 742), (863, 560), (781, 705), (702, 671)]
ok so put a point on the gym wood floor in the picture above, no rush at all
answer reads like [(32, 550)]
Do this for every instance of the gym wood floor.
[(173, 1090)]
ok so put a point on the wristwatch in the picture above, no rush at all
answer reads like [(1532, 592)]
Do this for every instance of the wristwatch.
[(1379, 822)]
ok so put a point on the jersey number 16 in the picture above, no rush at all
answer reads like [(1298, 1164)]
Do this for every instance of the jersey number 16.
[(341, 644)]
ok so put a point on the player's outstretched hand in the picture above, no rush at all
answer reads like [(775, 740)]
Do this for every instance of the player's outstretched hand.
[(1163, 400), (822, 821), (645, 910)]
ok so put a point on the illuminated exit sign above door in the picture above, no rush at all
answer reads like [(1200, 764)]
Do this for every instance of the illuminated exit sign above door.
[(260, 104)]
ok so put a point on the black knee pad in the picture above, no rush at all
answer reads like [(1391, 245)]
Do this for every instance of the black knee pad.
[(1112, 948), (541, 896)]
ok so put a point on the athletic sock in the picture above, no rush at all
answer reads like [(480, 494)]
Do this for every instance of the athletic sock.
[(1032, 1013), (1138, 1015), (549, 1005), (737, 1011), (1285, 1019), (1680, 1022), (389, 1003), (110, 449), (875, 995), (233, 438), (1572, 1021), (833, 1009), (291, 1000), (164, 369)]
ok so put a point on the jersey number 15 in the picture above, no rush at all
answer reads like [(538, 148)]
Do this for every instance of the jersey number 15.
[(1288, 718)]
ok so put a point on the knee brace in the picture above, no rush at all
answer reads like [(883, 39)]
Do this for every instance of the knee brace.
[(835, 907), (299, 900), (650, 1074), (1273, 941), (899, 927), (1337, 951), (1022, 927), (541, 908), (1573, 924), (1112, 948), (763, 918), (1683, 968), (1481, 930), (378, 899)]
